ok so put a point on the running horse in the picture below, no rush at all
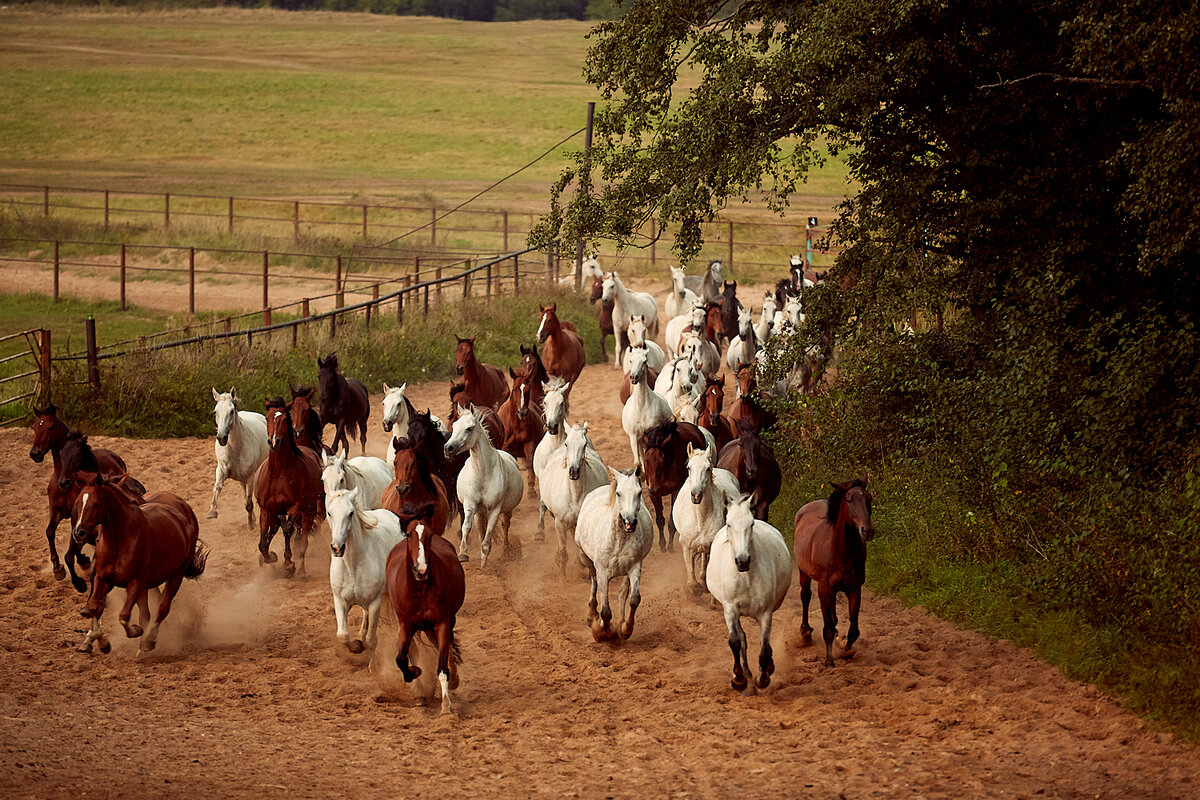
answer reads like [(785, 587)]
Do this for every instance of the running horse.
[(484, 382), (460, 402), (562, 351), (746, 405), (416, 484), (426, 586), (754, 465), (310, 430), (711, 418), (523, 426), (345, 403), (729, 310), (664, 455), (139, 547), (288, 489), (831, 548)]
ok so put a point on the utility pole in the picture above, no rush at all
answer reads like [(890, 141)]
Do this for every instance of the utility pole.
[(585, 180)]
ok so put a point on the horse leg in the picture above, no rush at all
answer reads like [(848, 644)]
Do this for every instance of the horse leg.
[(485, 546), (656, 501), (605, 620), (60, 572), (540, 534), (165, 599), (671, 529), (218, 484), (341, 614), (288, 527), (739, 681), (805, 596), (828, 598), (445, 643), (853, 599), (70, 558), (359, 644), (634, 583), (95, 609), (512, 544), (266, 532), (766, 663), (248, 489), (633, 446), (410, 671), (622, 341), (468, 520), (362, 435), (560, 554), (371, 623), (134, 593), (306, 525), (745, 647), (591, 568)]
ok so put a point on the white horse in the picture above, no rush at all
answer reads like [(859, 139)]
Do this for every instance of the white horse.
[(744, 346), (655, 356), (704, 353), (360, 540), (691, 320), (749, 572), (397, 410), (489, 484), (681, 298), (368, 474), (698, 521), (241, 448), (625, 305), (614, 533), (765, 328), (789, 317), (645, 407), (707, 286), (677, 382), (554, 412), (571, 473)]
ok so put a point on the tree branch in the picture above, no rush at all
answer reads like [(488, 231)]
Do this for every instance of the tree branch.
[(1105, 82)]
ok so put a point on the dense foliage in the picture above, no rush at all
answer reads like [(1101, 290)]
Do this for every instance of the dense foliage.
[(1029, 198)]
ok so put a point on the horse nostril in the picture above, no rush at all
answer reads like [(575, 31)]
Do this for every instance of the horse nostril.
[(387, 426)]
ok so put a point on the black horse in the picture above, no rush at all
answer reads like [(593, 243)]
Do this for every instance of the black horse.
[(344, 403)]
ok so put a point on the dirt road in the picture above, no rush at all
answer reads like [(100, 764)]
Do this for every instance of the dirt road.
[(250, 694)]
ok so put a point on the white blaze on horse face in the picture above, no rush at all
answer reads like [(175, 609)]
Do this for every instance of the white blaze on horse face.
[(542, 325), (422, 565), (84, 499), (523, 405)]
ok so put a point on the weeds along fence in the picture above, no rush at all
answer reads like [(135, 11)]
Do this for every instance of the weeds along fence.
[(743, 243)]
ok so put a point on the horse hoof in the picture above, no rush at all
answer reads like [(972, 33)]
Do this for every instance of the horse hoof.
[(85, 647), (85, 612), (60, 572), (80, 584), (738, 683), (133, 630), (212, 515), (463, 557), (105, 647), (540, 536), (148, 645), (354, 646), (289, 569), (764, 680)]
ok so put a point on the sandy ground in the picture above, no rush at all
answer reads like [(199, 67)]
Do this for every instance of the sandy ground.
[(250, 693)]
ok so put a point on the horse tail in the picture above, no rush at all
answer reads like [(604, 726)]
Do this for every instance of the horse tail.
[(195, 566)]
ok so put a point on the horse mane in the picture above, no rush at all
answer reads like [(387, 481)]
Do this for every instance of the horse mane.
[(411, 511), (424, 473), (554, 384), (657, 436), (87, 458), (835, 501)]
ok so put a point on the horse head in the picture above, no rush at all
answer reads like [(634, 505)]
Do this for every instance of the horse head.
[(466, 433), (850, 505), (225, 412), (745, 322), (90, 507), (341, 506), (417, 528), (549, 321), (677, 281), (714, 396), (609, 287), (554, 403), (638, 365), (279, 420), (49, 433), (739, 524), (75, 455), (597, 289), (394, 402), (658, 445), (576, 444), (747, 379), (333, 472), (699, 469), (625, 495), (464, 354)]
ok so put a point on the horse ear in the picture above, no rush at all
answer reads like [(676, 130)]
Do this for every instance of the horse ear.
[(216, 396), (613, 476), (325, 459), (585, 426), (353, 495), (511, 373), (690, 450), (566, 387), (309, 394), (541, 309), (460, 339), (864, 480), (404, 386), (554, 307)]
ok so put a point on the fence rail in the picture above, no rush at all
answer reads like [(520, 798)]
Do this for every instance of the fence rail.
[(37, 350)]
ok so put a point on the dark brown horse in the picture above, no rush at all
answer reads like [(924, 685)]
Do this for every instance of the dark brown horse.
[(831, 548), (416, 484), (430, 443), (664, 456), (754, 465), (138, 547), (746, 405), (523, 426), (345, 403), (729, 310), (562, 352), (532, 367), (49, 436), (288, 489), (426, 587), (485, 383), (459, 401), (306, 422), (606, 309), (711, 419)]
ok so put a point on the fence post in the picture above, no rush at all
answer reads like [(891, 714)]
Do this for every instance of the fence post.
[(364, 221), (339, 298), (731, 246), (549, 269), (44, 365), (466, 278), (433, 226), (228, 324), (123, 306), (231, 216), (332, 325), (400, 304), (427, 301), (55, 270), (92, 357), (304, 313), (506, 231), (45, 201), (191, 280), (106, 209), (166, 209), (653, 238), (489, 280), (516, 277), (296, 220), (266, 302), (295, 332)]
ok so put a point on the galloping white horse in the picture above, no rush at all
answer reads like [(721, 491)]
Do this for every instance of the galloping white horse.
[(625, 305), (690, 320), (677, 382), (655, 356), (554, 411), (749, 572), (698, 521), (368, 474), (765, 328), (614, 533), (702, 351), (489, 483), (645, 407), (681, 298), (570, 474), (241, 447), (744, 346), (360, 541)]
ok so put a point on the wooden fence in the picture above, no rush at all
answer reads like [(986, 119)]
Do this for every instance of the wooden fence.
[(34, 350)]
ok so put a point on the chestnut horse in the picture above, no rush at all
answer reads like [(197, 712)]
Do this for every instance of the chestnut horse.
[(831, 548), (138, 547), (664, 455), (426, 586), (416, 484), (306, 422), (532, 366), (754, 465), (746, 405), (523, 426), (459, 402), (485, 383), (606, 309), (563, 352), (288, 489), (344, 403), (50, 435), (711, 419)]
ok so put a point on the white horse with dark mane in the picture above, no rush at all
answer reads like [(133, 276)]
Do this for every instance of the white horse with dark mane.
[(368, 474), (645, 407), (489, 485), (360, 540), (614, 533), (698, 521), (749, 572), (241, 448), (570, 474), (554, 415), (627, 304)]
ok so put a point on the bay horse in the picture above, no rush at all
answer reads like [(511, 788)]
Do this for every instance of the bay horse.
[(484, 383), (415, 483), (523, 426), (729, 310), (430, 445), (306, 422), (241, 446), (345, 403), (831, 548), (749, 573), (746, 405), (360, 540), (664, 454), (606, 312), (49, 436), (753, 464), (288, 489), (426, 586), (532, 367), (563, 352), (711, 419), (138, 547), (489, 484), (459, 401)]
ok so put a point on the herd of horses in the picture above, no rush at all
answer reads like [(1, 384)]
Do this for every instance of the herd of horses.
[(389, 519)]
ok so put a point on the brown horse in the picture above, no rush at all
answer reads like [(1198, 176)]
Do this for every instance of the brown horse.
[(606, 309), (746, 405), (50, 434), (310, 430), (664, 456), (460, 402), (485, 383), (729, 310), (532, 367), (754, 465), (288, 489), (345, 403), (138, 547), (426, 586), (523, 426), (711, 419), (563, 352), (415, 484), (831, 548)]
